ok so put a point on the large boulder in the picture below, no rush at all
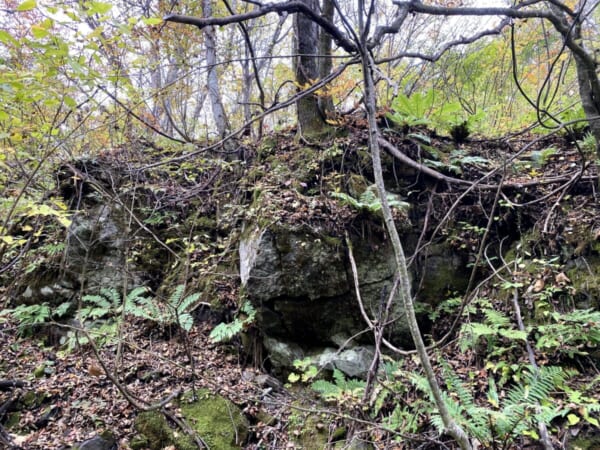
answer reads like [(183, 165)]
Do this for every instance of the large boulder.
[(301, 283)]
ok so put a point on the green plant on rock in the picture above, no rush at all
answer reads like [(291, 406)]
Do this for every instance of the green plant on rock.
[(340, 389), (224, 332), (369, 200)]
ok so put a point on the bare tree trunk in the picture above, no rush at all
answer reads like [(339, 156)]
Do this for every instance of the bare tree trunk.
[(310, 120), (325, 61), (589, 91), (212, 79)]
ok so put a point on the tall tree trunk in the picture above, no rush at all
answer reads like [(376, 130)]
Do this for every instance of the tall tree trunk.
[(212, 79), (325, 61), (452, 427), (589, 91), (310, 120), (587, 78)]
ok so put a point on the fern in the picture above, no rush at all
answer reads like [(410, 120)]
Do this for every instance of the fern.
[(28, 316), (529, 403), (339, 388), (369, 200), (525, 405), (496, 324), (224, 332), (175, 311)]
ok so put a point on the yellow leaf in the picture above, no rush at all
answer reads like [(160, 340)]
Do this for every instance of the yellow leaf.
[(39, 32), (27, 5)]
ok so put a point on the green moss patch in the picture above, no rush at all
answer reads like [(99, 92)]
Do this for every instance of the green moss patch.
[(218, 421)]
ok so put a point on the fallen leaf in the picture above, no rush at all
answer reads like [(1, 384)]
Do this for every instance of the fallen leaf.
[(95, 370), (561, 279)]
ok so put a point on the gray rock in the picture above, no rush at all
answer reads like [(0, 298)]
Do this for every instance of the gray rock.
[(284, 262), (282, 354), (354, 363), (301, 284), (104, 442)]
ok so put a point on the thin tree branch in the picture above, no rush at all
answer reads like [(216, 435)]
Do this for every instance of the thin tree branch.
[(290, 7)]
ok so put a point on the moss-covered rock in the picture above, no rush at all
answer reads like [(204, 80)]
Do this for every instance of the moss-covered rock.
[(154, 431), (218, 421), (312, 431)]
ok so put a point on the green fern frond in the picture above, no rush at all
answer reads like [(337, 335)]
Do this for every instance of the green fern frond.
[(497, 319), (112, 296), (248, 309), (224, 332), (327, 389), (338, 378), (186, 321), (188, 301), (137, 294), (176, 295), (536, 387), (97, 300), (348, 199)]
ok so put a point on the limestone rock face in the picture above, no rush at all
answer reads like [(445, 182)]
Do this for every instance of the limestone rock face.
[(95, 257), (291, 263), (301, 283), (95, 245)]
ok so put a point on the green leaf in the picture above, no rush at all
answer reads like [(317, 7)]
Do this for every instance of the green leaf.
[(6, 37), (186, 321), (573, 419), (293, 377), (592, 420), (98, 7), (39, 32), (27, 5), (62, 309), (152, 20), (70, 102)]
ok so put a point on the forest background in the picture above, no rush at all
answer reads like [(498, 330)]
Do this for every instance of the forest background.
[(175, 87)]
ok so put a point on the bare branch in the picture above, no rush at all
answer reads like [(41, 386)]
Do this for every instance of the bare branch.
[(380, 31), (516, 12), (292, 7), (449, 45)]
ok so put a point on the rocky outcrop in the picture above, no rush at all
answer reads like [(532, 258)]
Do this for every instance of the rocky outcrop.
[(96, 240), (301, 284), (300, 281)]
